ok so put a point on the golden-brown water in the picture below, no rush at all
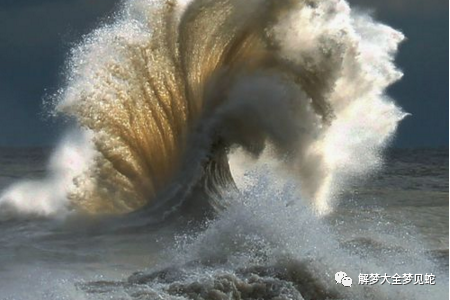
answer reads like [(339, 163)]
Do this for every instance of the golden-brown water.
[(221, 146), (167, 91)]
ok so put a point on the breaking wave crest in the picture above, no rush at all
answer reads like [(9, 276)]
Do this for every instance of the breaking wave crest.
[(260, 111), (171, 92)]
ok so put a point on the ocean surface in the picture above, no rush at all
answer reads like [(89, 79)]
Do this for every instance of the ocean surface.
[(393, 221), (227, 149)]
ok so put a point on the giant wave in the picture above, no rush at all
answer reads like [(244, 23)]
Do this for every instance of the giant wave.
[(167, 94)]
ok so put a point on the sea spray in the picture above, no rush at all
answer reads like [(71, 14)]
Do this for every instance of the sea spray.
[(171, 88), (270, 245), (265, 110)]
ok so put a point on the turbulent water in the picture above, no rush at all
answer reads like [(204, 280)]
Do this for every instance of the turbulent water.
[(395, 222), (219, 145)]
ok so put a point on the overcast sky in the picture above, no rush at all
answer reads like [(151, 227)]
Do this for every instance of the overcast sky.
[(36, 35)]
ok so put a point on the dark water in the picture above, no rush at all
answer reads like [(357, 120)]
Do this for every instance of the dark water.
[(396, 220)]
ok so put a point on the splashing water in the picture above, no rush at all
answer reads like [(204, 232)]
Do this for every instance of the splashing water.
[(267, 109), (171, 87), (268, 249)]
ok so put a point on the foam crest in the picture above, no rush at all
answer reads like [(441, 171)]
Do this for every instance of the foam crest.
[(171, 88)]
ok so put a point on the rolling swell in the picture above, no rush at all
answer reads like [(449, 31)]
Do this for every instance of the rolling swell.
[(166, 94)]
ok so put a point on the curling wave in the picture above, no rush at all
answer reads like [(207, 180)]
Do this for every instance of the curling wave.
[(172, 91)]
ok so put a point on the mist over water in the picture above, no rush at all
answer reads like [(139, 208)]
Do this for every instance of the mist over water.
[(236, 126)]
